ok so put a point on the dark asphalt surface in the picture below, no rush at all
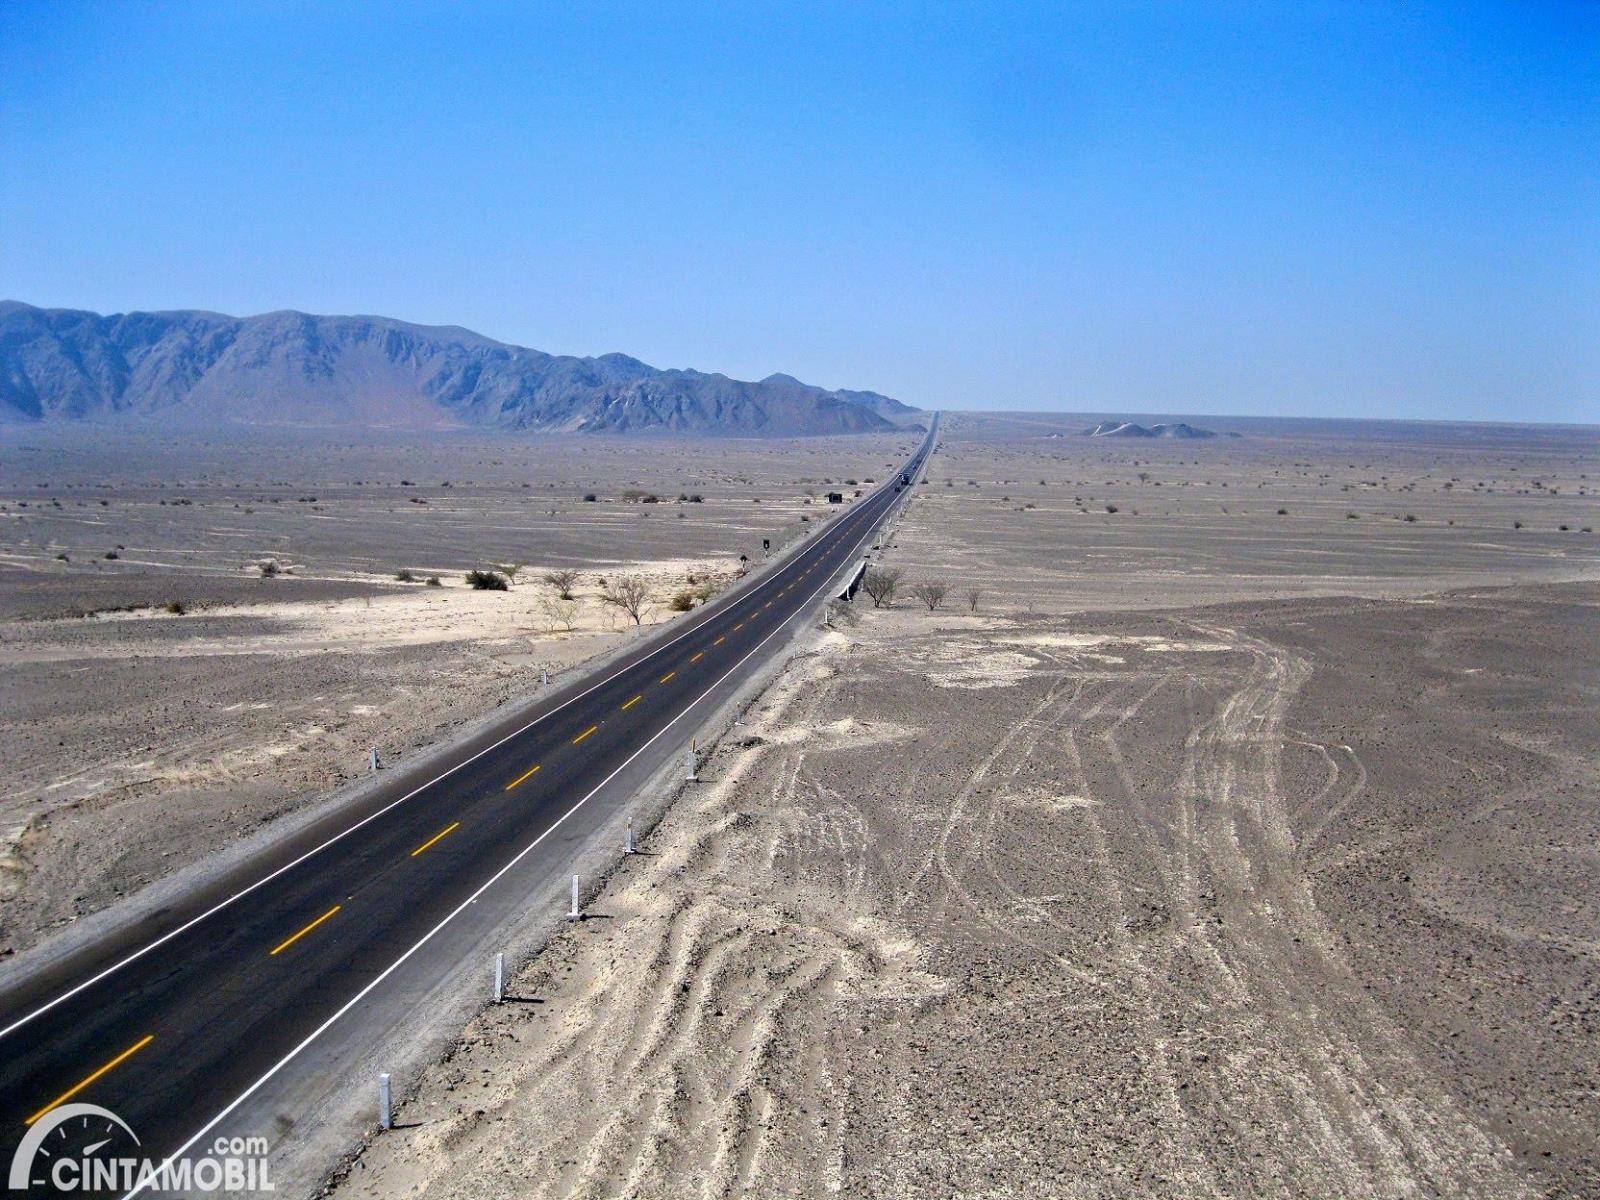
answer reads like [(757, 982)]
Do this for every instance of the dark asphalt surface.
[(228, 994)]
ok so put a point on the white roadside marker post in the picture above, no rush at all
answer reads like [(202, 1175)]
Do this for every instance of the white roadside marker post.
[(373, 760), (499, 978), (692, 776), (627, 846), (385, 1108), (544, 677), (575, 914)]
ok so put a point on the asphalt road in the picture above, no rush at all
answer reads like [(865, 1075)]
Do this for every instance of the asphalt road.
[(170, 1023)]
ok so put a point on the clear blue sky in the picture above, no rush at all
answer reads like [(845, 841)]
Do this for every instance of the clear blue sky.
[(1382, 209)]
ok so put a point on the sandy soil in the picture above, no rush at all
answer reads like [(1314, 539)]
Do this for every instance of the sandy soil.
[(1291, 895), (136, 740)]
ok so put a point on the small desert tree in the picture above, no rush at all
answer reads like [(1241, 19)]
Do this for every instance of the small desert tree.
[(563, 581), (559, 614), (974, 596), (881, 583), (509, 570), (930, 592), (630, 593)]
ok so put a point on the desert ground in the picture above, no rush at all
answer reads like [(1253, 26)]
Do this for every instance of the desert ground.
[(1209, 850), (138, 737)]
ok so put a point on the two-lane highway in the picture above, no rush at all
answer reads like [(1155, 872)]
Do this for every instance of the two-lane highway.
[(171, 1024)]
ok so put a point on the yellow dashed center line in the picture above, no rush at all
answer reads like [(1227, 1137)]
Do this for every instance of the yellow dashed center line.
[(738, 627), (78, 1087), (719, 641), (525, 776), (307, 929), (434, 838), (631, 703), (667, 676), (584, 734), (698, 656)]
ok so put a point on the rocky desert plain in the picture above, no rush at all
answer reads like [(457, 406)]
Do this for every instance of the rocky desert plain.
[(1241, 841), (1230, 829)]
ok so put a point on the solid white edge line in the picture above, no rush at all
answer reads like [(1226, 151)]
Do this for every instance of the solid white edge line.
[(490, 882), (288, 866)]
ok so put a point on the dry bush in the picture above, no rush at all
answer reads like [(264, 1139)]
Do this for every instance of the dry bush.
[(630, 593), (930, 592), (881, 584), (563, 581), (559, 614)]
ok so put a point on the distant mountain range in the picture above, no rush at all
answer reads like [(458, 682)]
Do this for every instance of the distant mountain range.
[(1127, 429), (190, 369)]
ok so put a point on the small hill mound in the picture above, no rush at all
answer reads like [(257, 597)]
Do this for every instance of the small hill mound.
[(1128, 429)]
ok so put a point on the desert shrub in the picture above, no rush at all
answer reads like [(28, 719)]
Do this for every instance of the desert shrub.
[(590, 498), (559, 614), (930, 592), (405, 576), (175, 607), (563, 581), (681, 601), (112, 554), (1411, 518), (630, 593), (269, 568), (1111, 508), (434, 581), (881, 583), (839, 613), (487, 581), (62, 558), (1283, 512), (1516, 524)]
